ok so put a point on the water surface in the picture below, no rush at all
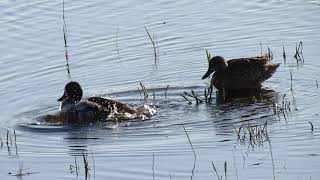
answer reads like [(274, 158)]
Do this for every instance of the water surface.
[(110, 53)]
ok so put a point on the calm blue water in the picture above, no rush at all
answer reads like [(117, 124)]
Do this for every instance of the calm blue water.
[(110, 53)]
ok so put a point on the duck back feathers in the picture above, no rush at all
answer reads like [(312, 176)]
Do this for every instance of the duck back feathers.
[(245, 73)]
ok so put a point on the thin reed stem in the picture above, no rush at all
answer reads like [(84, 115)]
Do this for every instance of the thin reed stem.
[(194, 152), (154, 45), (65, 40), (215, 170)]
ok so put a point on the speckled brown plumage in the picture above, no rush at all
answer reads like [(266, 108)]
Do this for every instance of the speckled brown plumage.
[(76, 110), (111, 104)]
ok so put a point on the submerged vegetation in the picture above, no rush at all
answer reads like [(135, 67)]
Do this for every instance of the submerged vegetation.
[(253, 134)]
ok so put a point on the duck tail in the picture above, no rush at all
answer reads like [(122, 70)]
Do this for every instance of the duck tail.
[(270, 70)]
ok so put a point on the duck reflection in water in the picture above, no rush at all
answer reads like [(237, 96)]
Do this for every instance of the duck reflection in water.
[(241, 77)]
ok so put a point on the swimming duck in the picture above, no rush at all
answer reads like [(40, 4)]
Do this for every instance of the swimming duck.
[(241, 73), (91, 109)]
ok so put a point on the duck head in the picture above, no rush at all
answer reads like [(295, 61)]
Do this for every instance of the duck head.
[(217, 63), (72, 93)]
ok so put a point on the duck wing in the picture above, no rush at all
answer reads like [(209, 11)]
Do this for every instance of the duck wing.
[(248, 72), (109, 104)]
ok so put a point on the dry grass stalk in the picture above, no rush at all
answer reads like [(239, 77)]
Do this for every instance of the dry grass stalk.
[(291, 77), (117, 43), (225, 170), (7, 140), (11, 142), (215, 170), (194, 96), (20, 172), (272, 161), (208, 55), (311, 126), (86, 165), (154, 94), (194, 152), (197, 99), (234, 164), (189, 102), (15, 135), (299, 55), (154, 43), (74, 168), (284, 55), (1, 143), (94, 165), (65, 41), (206, 96), (208, 93), (283, 109), (165, 92), (270, 53), (253, 134), (144, 90), (140, 93), (153, 175), (210, 89)]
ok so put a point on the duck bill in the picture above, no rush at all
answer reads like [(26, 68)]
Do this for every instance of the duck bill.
[(207, 74), (63, 97)]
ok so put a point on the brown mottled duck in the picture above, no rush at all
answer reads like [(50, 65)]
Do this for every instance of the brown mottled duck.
[(240, 74)]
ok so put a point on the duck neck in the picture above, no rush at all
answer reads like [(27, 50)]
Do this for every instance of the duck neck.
[(65, 104)]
